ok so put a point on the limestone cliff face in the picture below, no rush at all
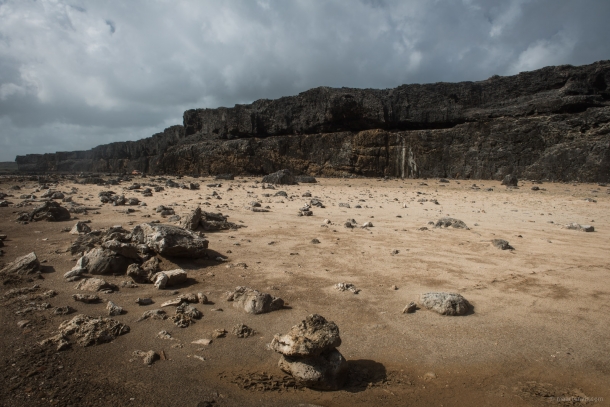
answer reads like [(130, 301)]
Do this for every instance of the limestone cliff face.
[(553, 123)]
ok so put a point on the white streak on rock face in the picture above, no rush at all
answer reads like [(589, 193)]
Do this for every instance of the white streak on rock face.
[(412, 165)]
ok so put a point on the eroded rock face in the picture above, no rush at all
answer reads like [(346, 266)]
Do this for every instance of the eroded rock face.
[(445, 303), (541, 124), (27, 264), (313, 336), (254, 302), (169, 240)]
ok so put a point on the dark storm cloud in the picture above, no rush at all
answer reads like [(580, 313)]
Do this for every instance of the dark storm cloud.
[(81, 73)]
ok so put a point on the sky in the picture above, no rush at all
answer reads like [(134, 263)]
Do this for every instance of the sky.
[(75, 74)]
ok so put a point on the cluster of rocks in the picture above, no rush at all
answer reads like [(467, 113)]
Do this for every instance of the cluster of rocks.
[(451, 222), (117, 200), (309, 354), (352, 224)]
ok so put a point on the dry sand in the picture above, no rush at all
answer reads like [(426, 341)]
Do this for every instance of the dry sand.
[(539, 329)]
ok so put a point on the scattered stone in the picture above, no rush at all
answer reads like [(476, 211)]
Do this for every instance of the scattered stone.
[(219, 333), (451, 222), (93, 285), (344, 205), (204, 342), (86, 298), (113, 309), (315, 241), (410, 308), (63, 310), (79, 228), (243, 331), (535, 188), (23, 323), (445, 303), (153, 314), (24, 265), (148, 357), (144, 301), (367, 225), (253, 301), (579, 227), (169, 278), (502, 244), (165, 335), (347, 287)]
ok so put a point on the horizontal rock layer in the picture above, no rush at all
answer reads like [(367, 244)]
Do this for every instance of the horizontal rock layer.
[(553, 123)]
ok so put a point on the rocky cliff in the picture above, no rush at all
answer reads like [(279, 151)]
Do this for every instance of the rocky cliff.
[(553, 123)]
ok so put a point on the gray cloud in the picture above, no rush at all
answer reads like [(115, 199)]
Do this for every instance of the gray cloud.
[(82, 73)]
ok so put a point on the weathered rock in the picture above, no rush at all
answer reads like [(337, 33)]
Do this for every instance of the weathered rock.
[(86, 298), (93, 285), (579, 227), (191, 220), (253, 301), (450, 222), (228, 177), (153, 314), (129, 250), (79, 228), (104, 261), (313, 336), (92, 331), (281, 177), (113, 309), (49, 211), (327, 371), (510, 180), (151, 266), (27, 264), (144, 301), (242, 331), (502, 244), (445, 303), (84, 243), (169, 240), (169, 278), (217, 221), (76, 271), (410, 308), (347, 287), (137, 274), (148, 358)]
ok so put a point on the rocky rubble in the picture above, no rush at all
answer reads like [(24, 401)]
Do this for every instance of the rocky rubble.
[(253, 301)]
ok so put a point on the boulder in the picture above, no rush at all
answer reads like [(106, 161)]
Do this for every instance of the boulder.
[(104, 261), (253, 301), (50, 211), (27, 264), (445, 303), (169, 240), (282, 177), (128, 250), (327, 371), (312, 337)]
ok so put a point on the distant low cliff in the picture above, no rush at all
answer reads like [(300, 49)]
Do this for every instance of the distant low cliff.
[(553, 123)]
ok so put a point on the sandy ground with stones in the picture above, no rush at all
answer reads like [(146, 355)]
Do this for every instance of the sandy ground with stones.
[(537, 335)]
